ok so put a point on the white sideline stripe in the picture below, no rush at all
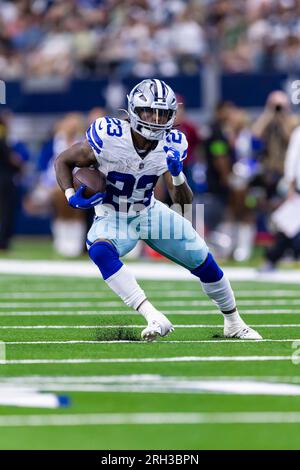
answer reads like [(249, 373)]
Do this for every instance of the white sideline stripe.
[(137, 378), (116, 303), (149, 360), (16, 313), (58, 327), (87, 294), (155, 293), (33, 380), (5, 305), (28, 398), (224, 341), (156, 385), (149, 418), (54, 286), (147, 271)]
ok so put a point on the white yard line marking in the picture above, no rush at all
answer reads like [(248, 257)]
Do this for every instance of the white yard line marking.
[(117, 303), (155, 293), (55, 295), (62, 327), (224, 341), (156, 385), (99, 313), (16, 313), (147, 271), (136, 378), (149, 360), (265, 293), (5, 305), (53, 286), (28, 398), (149, 418), (58, 327), (45, 380)]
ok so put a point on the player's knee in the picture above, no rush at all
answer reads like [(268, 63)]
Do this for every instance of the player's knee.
[(195, 257), (209, 271), (106, 257)]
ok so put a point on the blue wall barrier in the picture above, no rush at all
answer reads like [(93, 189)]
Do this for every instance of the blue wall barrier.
[(83, 95), (247, 90), (251, 90)]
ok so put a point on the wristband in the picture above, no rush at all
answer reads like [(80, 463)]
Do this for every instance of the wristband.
[(178, 180), (69, 193)]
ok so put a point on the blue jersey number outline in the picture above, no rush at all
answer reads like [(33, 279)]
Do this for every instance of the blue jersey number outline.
[(175, 137), (125, 189), (114, 127)]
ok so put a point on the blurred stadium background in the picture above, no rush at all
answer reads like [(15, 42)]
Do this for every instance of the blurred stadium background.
[(232, 64), (65, 62)]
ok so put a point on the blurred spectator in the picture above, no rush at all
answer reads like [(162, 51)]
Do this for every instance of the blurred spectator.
[(274, 127), (244, 170), (94, 114), (219, 163), (188, 41), (68, 224), (194, 167), (146, 37), (231, 167), (21, 152), (9, 166), (184, 124), (218, 160), (286, 218)]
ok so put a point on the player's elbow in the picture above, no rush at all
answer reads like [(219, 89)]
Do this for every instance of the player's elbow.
[(59, 163), (63, 160)]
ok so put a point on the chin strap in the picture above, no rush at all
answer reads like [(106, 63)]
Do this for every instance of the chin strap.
[(150, 135)]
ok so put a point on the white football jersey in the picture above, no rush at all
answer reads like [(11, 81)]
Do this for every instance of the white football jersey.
[(130, 178)]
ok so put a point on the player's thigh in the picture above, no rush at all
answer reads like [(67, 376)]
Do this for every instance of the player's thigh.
[(110, 228), (174, 236)]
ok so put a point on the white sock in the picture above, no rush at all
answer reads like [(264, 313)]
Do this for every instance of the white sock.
[(233, 320), (125, 286), (222, 295)]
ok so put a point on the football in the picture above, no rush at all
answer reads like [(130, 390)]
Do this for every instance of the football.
[(93, 179)]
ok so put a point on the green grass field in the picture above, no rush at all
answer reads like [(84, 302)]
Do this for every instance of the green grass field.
[(74, 337)]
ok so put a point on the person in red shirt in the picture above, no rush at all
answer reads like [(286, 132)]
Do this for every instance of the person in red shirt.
[(189, 128)]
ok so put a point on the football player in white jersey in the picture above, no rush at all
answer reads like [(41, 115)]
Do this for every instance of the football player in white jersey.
[(133, 154)]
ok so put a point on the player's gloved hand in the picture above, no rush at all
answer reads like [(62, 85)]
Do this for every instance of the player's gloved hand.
[(78, 201), (174, 162)]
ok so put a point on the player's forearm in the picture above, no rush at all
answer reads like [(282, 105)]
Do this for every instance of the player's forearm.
[(63, 170), (79, 155), (182, 194), (178, 188)]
